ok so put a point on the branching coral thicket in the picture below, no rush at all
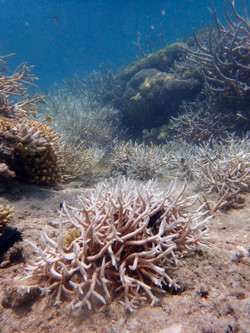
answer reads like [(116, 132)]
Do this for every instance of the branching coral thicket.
[(199, 122), (183, 158), (225, 168), (77, 161), (74, 117), (224, 62), (120, 240), (139, 160)]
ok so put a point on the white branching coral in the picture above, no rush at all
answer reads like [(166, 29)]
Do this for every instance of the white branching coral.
[(225, 167), (124, 241), (139, 160)]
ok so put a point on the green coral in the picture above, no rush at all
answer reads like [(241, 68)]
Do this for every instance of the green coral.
[(161, 60)]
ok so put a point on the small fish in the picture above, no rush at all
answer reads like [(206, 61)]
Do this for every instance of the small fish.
[(122, 142), (99, 165), (153, 146), (54, 19), (225, 93), (48, 119), (241, 116), (163, 12), (203, 135)]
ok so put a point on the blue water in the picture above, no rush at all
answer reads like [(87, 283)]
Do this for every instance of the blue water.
[(63, 37)]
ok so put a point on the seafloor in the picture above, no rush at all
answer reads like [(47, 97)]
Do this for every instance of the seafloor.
[(214, 295)]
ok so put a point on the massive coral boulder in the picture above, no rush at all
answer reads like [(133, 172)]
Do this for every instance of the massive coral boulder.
[(151, 96), (162, 60)]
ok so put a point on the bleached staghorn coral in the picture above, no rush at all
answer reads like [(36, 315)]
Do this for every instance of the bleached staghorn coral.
[(126, 240), (225, 167), (120, 157), (199, 122), (183, 157), (73, 117), (77, 161), (139, 160)]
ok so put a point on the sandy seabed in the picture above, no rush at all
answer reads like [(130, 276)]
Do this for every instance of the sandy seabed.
[(214, 294)]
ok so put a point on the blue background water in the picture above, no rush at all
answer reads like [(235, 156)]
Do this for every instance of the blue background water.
[(62, 37)]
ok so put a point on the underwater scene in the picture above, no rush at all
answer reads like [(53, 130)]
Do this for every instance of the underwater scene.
[(124, 166)]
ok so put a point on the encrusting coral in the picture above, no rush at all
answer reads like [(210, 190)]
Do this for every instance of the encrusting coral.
[(119, 240)]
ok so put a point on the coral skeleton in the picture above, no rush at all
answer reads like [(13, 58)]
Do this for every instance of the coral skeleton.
[(119, 240)]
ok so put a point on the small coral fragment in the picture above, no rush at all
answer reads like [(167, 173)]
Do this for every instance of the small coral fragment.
[(6, 213)]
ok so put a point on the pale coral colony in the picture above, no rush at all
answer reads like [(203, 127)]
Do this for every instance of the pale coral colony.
[(122, 240)]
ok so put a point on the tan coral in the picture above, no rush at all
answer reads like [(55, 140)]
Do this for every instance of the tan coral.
[(16, 85), (30, 150), (6, 213), (5, 172)]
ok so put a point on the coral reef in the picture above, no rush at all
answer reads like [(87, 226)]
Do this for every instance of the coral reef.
[(9, 236), (5, 172), (30, 150), (128, 241), (199, 122)]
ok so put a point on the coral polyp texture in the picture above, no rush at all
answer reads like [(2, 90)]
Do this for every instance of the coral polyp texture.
[(119, 240), (29, 149)]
